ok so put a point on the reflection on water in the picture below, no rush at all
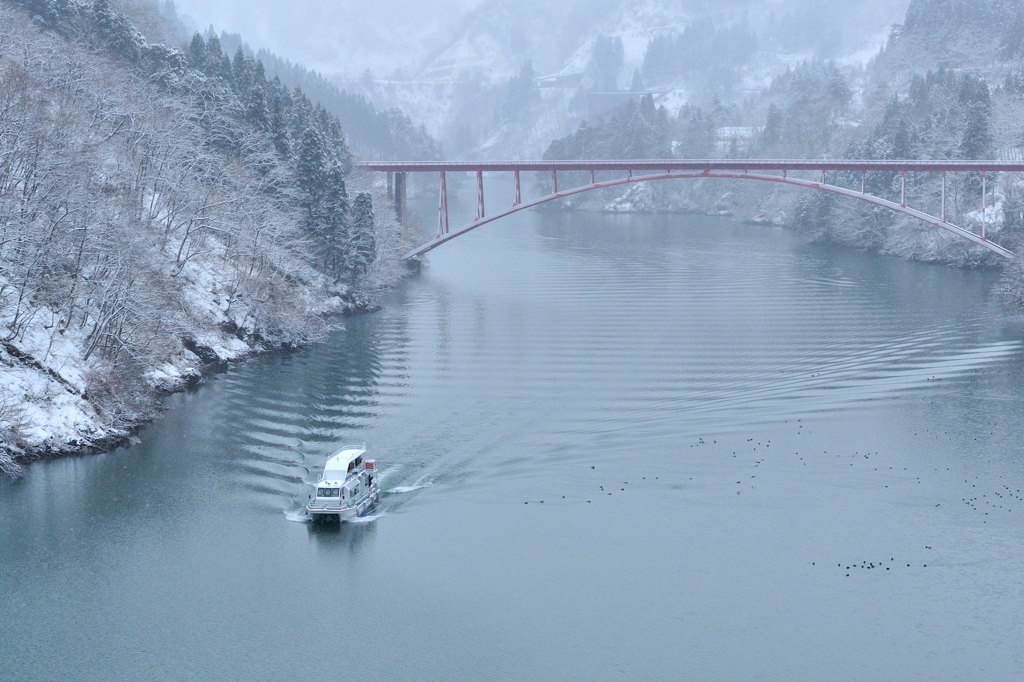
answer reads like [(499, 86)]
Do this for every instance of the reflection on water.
[(611, 447), (333, 536)]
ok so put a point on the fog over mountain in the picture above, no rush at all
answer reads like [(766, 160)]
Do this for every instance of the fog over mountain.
[(438, 39), (448, 64), (337, 36)]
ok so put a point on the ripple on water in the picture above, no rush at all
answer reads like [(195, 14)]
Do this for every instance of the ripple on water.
[(562, 345), (730, 370)]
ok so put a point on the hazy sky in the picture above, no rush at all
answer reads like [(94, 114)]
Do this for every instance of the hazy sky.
[(346, 36), (335, 35)]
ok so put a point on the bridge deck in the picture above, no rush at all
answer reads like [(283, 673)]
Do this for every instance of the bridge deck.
[(690, 165)]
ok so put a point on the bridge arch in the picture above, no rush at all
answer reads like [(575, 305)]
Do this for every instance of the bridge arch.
[(711, 173)]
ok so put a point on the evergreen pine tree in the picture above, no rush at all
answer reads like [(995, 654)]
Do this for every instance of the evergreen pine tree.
[(977, 136), (637, 84), (310, 171), (117, 30), (256, 111), (301, 114), (321, 180), (241, 73), (333, 229), (363, 232), (51, 12), (772, 132), (977, 105), (520, 94), (1012, 44), (217, 64), (607, 59), (197, 52), (279, 105)]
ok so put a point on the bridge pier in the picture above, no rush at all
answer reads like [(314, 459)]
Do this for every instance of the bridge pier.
[(983, 193), (442, 208), (399, 196), (480, 195), (943, 196)]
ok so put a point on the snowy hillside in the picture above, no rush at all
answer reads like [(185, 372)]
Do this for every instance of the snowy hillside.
[(457, 89), (161, 211), (446, 63)]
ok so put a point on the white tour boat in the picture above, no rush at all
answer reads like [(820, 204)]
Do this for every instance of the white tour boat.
[(348, 487)]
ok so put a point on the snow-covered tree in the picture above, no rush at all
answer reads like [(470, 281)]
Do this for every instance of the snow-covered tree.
[(607, 60)]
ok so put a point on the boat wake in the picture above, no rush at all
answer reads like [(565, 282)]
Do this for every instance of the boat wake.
[(410, 488), (368, 518), (299, 516)]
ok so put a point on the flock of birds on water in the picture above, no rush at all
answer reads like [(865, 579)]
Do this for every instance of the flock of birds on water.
[(865, 565)]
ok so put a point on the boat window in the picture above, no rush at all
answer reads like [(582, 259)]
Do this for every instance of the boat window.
[(327, 492)]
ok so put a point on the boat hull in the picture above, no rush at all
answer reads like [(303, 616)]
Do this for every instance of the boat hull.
[(344, 513)]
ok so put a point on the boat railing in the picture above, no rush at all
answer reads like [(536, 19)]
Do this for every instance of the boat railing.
[(352, 446)]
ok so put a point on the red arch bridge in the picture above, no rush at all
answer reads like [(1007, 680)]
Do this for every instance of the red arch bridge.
[(633, 171)]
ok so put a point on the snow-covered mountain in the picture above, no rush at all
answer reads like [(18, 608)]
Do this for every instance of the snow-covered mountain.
[(457, 88), (443, 38), (446, 63)]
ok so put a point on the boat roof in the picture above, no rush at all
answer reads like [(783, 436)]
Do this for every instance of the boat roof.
[(336, 468)]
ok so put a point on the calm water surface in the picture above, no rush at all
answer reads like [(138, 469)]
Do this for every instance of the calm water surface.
[(653, 448)]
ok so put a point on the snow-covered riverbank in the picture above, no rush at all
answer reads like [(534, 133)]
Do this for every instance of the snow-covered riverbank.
[(56, 401), (820, 216)]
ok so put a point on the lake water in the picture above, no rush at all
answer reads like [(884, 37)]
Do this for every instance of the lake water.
[(654, 448)]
